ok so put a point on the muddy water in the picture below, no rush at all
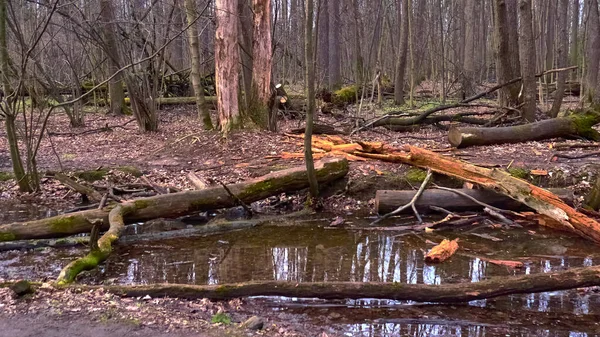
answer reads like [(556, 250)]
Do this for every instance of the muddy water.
[(309, 252)]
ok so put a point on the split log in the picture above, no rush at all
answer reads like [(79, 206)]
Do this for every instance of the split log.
[(178, 204), (442, 252), (388, 200), (552, 210), (576, 125), (445, 293)]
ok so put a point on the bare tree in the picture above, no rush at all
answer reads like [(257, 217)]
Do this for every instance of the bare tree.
[(508, 94), (562, 55), (194, 43), (115, 86), (335, 76), (309, 60), (527, 54), (592, 52), (402, 52)]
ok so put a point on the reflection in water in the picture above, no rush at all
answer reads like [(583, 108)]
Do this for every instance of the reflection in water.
[(309, 254)]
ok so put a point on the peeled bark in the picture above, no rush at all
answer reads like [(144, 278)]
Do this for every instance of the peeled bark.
[(446, 293), (227, 65), (552, 211), (571, 126), (442, 252), (177, 204)]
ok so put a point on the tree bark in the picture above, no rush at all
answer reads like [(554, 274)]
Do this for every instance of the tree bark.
[(194, 43), (592, 77), (402, 53), (310, 92), (260, 106), (447, 293), (574, 42), (387, 201), (509, 94), (335, 75), (227, 67), (178, 204), (570, 126), (115, 85), (323, 41), (527, 55), (467, 85), (562, 55)]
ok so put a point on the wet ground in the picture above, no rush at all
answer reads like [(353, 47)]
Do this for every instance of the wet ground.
[(307, 250)]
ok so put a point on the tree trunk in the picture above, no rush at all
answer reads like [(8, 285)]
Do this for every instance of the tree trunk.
[(227, 69), (115, 85), (509, 94), (402, 53), (527, 55), (323, 41), (260, 99), (335, 75), (246, 30), (310, 92), (446, 293), (178, 204), (194, 43), (562, 55), (571, 126), (387, 201), (574, 42), (468, 78), (591, 85), (358, 59)]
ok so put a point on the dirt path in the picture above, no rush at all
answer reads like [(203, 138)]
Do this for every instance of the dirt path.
[(71, 325)]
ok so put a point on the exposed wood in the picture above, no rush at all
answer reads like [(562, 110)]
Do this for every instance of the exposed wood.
[(446, 293), (91, 193), (196, 181), (387, 200), (442, 252), (178, 204), (551, 209), (570, 126)]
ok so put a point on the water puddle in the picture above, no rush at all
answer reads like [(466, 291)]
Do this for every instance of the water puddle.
[(310, 252)]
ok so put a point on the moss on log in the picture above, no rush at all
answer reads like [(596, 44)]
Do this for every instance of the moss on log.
[(178, 204), (579, 124), (446, 293)]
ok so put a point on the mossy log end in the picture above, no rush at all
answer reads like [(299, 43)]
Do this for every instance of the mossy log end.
[(579, 124), (96, 256), (179, 204), (446, 293)]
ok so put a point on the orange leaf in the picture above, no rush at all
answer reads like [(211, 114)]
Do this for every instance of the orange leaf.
[(442, 252), (539, 172)]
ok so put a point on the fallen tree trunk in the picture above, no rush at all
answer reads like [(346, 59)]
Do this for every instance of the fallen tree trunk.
[(553, 211), (388, 200), (567, 127), (178, 204), (446, 293)]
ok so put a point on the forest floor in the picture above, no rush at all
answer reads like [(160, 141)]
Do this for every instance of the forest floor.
[(114, 145), (165, 157)]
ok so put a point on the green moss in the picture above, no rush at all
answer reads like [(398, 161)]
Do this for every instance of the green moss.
[(583, 122), (222, 318), (141, 204), (7, 237), (5, 176), (134, 171), (63, 224), (345, 95), (91, 175), (415, 175), (519, 172)]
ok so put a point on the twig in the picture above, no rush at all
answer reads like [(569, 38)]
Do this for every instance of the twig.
[(103, 201), (104, 128), (411, 204), (499, 217), (236, 198)]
